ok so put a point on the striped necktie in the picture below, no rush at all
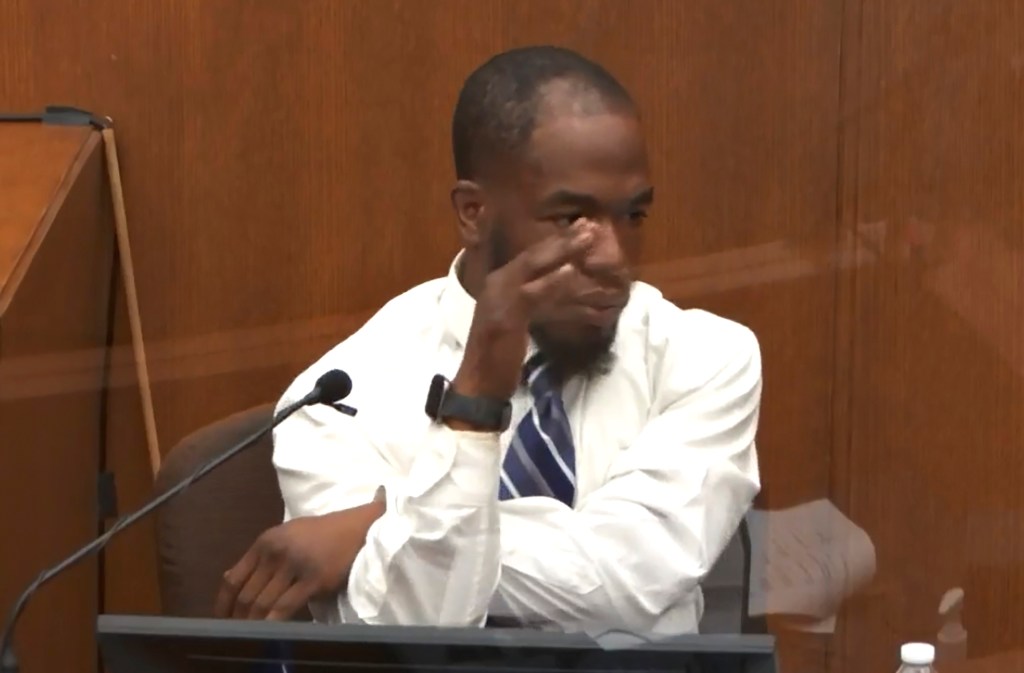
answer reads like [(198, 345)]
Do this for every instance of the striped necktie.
[(541, 459)]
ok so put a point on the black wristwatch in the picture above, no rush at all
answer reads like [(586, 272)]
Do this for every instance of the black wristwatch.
[(485, 413)]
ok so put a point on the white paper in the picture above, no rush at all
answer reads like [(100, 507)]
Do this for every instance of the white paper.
[(806, 560)]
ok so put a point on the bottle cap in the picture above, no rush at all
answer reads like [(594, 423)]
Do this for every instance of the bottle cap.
[(917, 654)]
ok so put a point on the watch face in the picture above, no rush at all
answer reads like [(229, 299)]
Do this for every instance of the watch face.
[(438, 386)]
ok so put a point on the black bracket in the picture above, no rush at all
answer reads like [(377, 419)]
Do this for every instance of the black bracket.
[(344, 408), (106, 492), (60, 115)]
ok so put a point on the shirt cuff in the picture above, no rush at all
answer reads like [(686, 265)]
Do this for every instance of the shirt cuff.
[(457, 468)]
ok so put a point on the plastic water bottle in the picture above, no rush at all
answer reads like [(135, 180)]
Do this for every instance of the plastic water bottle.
[(917, 658)]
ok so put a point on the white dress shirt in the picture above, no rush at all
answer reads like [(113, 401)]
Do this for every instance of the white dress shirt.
[(665, 469)]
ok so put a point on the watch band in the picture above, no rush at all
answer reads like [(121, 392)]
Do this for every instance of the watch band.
[(486, 413)]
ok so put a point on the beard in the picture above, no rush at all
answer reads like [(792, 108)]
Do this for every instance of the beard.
[(589, 357), (589, 354)]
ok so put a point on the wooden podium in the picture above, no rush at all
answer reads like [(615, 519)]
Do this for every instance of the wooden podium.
[(56, 266)]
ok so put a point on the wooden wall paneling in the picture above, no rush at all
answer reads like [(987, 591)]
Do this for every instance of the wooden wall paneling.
[(57, 52), (129, 583), (860, 243), (289, 162), (50, 444), (246, 163), (933, 470), (260, 174)]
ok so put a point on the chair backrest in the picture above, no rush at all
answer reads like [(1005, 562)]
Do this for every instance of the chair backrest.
[(206, 530)]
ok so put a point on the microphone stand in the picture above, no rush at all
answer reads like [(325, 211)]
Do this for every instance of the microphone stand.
[(8, 660)]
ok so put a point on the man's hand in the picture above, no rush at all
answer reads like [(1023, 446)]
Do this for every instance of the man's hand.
[(294, 562), (498, 336)]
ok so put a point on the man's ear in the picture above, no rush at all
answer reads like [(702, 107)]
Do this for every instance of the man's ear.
[(469, 204)]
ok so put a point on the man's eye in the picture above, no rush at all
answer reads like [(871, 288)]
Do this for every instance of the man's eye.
[(637, 217), (565, 221)]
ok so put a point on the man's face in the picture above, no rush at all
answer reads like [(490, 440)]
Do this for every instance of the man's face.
[(579, 166)]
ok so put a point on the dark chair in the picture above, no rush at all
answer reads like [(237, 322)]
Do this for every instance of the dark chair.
[(206, 530)]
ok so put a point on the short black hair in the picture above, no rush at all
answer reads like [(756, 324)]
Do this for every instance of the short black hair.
[(497, 106)]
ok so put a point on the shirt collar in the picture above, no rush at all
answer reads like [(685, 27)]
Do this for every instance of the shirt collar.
[(457, 305)]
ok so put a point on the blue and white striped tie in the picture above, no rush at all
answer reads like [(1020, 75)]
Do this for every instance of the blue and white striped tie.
[(541, 459)]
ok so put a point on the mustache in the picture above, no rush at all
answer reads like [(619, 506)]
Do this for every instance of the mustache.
[(618, 275), (610, 289)]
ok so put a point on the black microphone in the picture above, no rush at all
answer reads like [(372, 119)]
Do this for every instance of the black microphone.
[(330, 388)]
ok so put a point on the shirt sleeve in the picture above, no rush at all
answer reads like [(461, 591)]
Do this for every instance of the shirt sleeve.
[(672, 501), (433, 557)]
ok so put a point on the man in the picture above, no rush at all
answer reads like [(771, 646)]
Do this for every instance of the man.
[(587, 449)]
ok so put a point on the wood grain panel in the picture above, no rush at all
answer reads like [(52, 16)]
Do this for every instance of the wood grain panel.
[(937, 332), (50, 445), (36, 160), (301, 168)]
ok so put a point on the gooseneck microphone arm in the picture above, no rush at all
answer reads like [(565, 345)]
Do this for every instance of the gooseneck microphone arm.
[(333, 386)]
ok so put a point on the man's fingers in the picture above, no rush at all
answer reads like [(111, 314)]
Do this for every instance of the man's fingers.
[(547, 287), (232, 583), (272, 592), (253, 587), (292, 600), (555, 251)]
